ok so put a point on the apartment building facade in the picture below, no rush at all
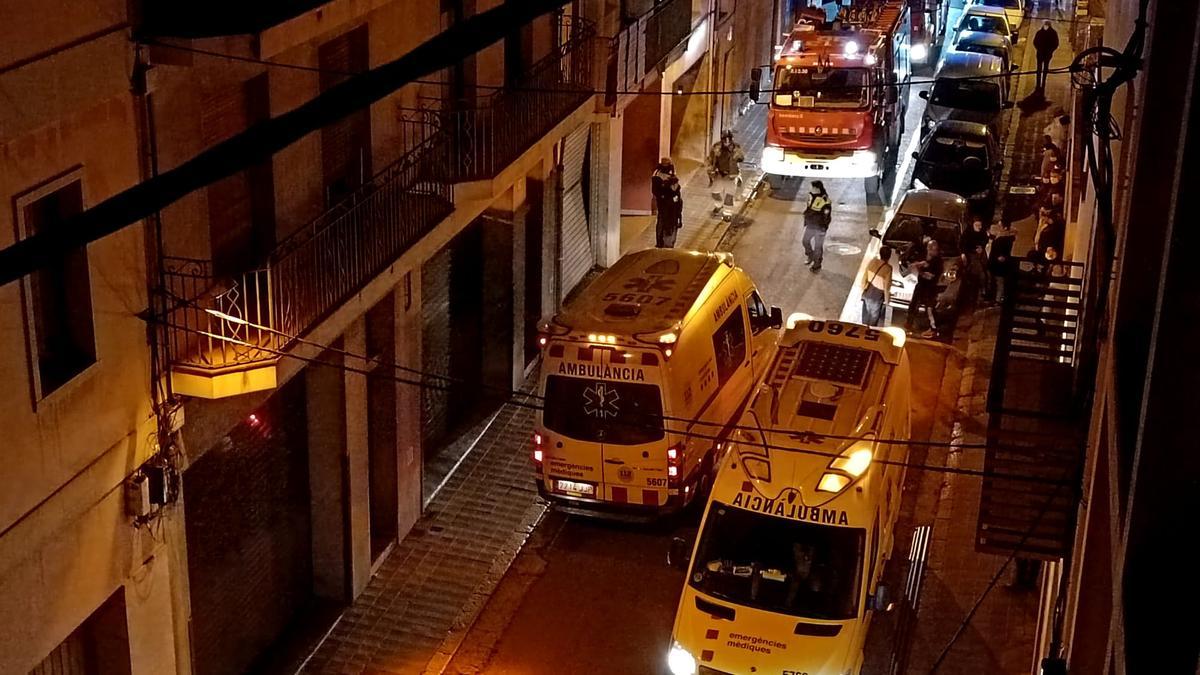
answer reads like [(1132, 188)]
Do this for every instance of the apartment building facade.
[(1107, 602), (225, 415)]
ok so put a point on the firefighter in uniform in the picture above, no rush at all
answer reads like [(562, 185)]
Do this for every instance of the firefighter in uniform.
[(724, 174)]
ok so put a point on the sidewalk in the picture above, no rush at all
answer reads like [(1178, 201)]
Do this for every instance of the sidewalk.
[(431, 586), (1000, 638), (701, 230)]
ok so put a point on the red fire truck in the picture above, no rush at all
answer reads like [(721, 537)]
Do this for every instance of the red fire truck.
[(839, 94), (928, 28)]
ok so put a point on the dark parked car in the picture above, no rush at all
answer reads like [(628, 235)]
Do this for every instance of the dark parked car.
[(960, 157), (936, 214)]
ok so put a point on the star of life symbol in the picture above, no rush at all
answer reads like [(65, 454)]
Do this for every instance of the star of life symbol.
[(600, 400)]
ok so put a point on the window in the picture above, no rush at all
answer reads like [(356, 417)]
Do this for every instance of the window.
[(977, 95), (778, 564), (59, 295), (760, 316), (729, 343), (817, 88), (602, 411)]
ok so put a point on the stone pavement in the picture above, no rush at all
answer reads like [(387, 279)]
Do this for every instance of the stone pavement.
[(438, 577), (1000, 638), (701, 230)]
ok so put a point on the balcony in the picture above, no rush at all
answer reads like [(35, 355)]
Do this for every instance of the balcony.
[(489, 136), (224, 336), (646, 42), (1037, 421)]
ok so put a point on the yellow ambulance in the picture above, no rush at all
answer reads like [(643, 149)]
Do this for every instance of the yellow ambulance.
[(785, 573), (663, 343)]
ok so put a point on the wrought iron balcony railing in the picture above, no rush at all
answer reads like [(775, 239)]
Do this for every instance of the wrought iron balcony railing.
[(645, 42), (228, 324), (490, 135)]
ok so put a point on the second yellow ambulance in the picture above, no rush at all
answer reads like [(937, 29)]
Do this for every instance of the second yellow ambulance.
[(785, 573)]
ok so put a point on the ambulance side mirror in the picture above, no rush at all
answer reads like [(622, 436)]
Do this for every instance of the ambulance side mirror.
[(776, 317), (881, 601), (923, 94), (875, 233), (680, 553)]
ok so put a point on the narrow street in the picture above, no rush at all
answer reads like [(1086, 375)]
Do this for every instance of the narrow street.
[(600, 596)]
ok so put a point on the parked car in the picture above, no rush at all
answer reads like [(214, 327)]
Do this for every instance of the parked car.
[(1014, 11), (963, 158), (939, 214), (986, 19), (979, 42), (967, 86)]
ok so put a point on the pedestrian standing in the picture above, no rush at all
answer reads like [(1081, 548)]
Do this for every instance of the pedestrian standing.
[(817, 216), (1050, 156), (877, 287), (1003, 236), (972, 246), (725, 174), (1045, 42), (668, 202), (670, 214), (929, 272)]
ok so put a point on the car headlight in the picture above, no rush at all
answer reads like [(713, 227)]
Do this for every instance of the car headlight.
[(681, 661), (919, 184), (772, 154), (929, 123), (918, 52)]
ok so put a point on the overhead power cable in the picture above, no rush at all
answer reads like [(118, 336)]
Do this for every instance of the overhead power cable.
[(265, 138), (687, 434), (507, 392), (915, 82)]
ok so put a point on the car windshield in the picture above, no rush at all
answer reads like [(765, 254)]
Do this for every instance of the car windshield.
[(601, 411), (821, 88), (984, 23), (1006, 4), (956, 152), (779, 565), (907, 231), (977, 95)]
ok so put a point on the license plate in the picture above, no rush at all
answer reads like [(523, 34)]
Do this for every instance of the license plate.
[(575, 488)]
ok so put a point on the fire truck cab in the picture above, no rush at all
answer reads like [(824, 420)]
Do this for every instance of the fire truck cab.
[(786, 572), (839, 93)]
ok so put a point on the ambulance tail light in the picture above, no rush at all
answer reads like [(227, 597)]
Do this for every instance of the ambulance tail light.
[(674, 465), (539, 453)]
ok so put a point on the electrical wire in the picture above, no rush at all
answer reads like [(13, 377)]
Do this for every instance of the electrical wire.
[(451, 380), (918, 82), (687, 434)]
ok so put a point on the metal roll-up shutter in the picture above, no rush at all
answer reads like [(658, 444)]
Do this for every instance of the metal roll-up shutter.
[(575, 242)]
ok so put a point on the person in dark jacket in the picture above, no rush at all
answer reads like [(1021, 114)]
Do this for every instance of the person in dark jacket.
[(817, 216), (670, 214), (668, 202), (1000, 263), (972, 246), (1045, 42), (929, 273)]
